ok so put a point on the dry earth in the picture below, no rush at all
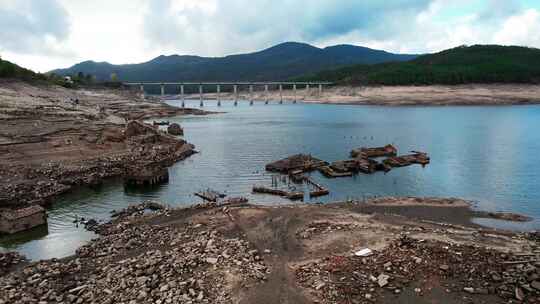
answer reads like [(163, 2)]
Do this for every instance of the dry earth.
[(286, 254), (436, 95)]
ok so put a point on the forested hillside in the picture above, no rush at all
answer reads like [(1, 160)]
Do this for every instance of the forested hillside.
[(277, 63), (461, 65)]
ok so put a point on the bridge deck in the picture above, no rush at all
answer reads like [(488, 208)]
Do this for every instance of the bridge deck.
[(230, 83)]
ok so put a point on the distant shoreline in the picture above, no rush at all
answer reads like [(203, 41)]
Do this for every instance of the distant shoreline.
[(433, 95)]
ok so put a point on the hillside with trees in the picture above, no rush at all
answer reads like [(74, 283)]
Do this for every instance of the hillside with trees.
[(461, 65), (278, 63), (11, 70)]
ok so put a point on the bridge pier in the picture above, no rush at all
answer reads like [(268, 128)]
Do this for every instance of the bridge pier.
[(251, 95), (218, 95), (309, 87), (201, 95), (182, 96), (235, 95)]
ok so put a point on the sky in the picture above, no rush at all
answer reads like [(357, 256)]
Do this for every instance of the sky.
[(46, 34)]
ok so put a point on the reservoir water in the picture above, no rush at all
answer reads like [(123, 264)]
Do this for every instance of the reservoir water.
[(489, 155)]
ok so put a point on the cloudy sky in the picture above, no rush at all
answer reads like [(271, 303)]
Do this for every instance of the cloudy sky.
[(48, 34)]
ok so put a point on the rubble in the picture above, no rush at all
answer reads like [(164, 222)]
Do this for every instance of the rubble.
[(215, 253), (138, 209), (8, 260), (135, 262), (459, 268)]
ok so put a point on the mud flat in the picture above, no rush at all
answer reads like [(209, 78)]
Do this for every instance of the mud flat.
[(475, 94), (239, 253), (52, 139)]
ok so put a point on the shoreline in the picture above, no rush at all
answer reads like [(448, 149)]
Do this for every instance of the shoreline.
[(434, 95), (242, 253), (53, 139)]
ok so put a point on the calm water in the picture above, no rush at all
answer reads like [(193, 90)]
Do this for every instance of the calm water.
[(486, 154)]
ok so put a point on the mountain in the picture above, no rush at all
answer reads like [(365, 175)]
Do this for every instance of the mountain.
[(461, 65), (280, 62)]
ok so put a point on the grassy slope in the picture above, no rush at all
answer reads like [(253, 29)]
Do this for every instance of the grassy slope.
[(475, 64)]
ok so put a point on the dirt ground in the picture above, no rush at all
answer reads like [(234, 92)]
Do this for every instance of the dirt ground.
[(295, 254), (436, 95)]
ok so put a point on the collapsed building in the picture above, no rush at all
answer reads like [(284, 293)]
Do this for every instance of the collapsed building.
[(17, 220)]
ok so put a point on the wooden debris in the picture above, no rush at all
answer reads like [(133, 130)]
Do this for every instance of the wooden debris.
[(210, 195), (289, 195)]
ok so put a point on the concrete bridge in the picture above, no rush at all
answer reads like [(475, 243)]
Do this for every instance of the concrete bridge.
[(235, 88)]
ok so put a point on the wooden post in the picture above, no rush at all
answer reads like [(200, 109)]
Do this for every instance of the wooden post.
[(320, 89), (280, 93), (294, 89), (266, 93), (162, 89)]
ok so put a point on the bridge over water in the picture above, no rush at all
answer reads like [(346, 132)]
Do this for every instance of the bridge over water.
[(235, 88)]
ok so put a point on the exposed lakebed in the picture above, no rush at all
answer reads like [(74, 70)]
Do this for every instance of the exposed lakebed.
[(485, 154)]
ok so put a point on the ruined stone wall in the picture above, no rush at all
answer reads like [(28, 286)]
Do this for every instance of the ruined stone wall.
[(25, 223)]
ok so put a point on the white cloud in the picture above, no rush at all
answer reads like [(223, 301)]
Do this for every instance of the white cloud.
[(48, 34), (522, 29)]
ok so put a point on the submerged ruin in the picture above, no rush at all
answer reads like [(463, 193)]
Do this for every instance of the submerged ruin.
[(420, 158), (363, 161), (386, 151), (146, 174), (13, 221), (302, 162), (210, 195)]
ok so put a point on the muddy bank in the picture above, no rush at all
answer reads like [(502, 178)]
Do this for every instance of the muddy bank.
[(476, 94), (52, 139), (430, 209), (288, 254)]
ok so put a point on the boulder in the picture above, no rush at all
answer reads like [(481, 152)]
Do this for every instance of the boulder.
[(175, 129)]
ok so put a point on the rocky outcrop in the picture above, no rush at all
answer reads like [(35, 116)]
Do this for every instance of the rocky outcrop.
[(175, 129)]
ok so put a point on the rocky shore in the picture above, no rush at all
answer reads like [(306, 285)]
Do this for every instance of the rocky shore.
[(239, 253), (52, 139)]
